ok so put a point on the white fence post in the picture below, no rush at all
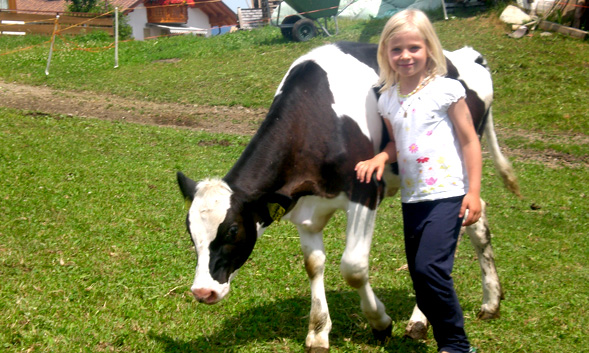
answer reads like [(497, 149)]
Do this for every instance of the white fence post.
[(51, 47), (444, 8), (116, 37)]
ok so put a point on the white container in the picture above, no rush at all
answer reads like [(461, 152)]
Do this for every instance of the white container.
[(542, 6)]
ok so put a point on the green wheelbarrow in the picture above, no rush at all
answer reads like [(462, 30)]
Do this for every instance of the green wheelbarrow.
[(301, 26)]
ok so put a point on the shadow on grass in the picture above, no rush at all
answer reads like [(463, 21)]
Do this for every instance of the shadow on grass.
[(287, 320)]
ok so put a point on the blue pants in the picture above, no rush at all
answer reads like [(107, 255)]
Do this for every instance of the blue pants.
[(431, 233)]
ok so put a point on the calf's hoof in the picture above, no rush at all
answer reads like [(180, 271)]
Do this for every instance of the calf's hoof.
[(382, 336), (416, 330), (488, 315)]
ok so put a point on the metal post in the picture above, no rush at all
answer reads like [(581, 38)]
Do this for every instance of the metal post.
[(51, 47), (444, 7), (265, 11), (116, 37)]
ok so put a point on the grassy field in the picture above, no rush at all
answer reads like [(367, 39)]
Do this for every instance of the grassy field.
[(94, 256), (541, 81)]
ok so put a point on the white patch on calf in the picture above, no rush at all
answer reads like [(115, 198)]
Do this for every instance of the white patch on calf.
[(208, 210), (475, 76), (351, 83), (313, 212)]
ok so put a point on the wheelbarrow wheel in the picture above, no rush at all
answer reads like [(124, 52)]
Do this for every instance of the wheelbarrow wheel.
[(287, 25), (303, 30)]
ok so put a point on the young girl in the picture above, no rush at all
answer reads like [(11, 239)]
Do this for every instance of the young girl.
[(440, 163)]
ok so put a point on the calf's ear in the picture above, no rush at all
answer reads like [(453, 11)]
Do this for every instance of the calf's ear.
[(187, 186)]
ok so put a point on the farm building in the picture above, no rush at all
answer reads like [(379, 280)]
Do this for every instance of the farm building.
[(149, 18)]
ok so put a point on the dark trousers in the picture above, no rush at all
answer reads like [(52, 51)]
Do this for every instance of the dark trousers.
[(431, 233)]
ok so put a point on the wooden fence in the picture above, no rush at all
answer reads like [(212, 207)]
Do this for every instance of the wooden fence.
[(251, 18), (12, 23)]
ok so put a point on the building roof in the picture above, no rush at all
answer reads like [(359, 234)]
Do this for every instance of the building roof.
[(219, 14), (60, 6), (40, 6)]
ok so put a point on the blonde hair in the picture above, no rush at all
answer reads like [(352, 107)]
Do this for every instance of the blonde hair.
[(405, 21)]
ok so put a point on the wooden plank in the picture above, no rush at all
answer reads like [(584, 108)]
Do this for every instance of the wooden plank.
[(11, 16), (83, 30), (250, 18), (570, 31), (101, 21), (38, 29), (44, 24), (173, 14), (48, 29)]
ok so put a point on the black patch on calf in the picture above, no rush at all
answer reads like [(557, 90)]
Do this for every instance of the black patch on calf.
[(297, 142), (359, 148), (363, 52), (303, 147), (188, 229), (476, 106), (233, 244), (188, 189), (452, 70), (482, 61)]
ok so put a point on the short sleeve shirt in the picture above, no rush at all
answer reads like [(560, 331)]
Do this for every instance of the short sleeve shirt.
[(430, 159)]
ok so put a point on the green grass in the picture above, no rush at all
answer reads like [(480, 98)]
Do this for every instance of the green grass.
[(94, 256), (540, 82)]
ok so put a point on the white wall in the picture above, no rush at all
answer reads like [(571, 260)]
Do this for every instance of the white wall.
[(137, 20), (198, 19)]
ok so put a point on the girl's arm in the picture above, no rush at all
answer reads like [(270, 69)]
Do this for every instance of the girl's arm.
[(365, 169), (473, 159)]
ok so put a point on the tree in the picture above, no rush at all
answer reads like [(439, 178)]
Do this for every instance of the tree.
[(91, 6), (98, 7)]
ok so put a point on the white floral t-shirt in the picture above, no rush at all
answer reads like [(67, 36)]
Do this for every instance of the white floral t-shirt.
[(430, 159)]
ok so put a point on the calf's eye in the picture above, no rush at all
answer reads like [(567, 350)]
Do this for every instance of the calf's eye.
[(232, 233)]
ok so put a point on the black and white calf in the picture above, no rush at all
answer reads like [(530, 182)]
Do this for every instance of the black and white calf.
[(300, 167)]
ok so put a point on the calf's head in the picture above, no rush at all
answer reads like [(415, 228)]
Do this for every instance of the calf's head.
[(224, 228)]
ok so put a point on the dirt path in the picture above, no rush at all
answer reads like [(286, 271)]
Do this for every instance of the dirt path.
[(233, 120), (236, 120)]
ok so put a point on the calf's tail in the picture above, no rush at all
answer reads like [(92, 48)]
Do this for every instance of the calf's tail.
[(502, 164)]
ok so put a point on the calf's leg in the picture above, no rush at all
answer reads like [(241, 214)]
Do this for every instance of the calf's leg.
[(480, 238), (319, 321), (310, 215), (354, 267), (417, 327)]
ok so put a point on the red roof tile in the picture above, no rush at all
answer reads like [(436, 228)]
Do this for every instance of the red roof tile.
[(55, 6), (219, 13)]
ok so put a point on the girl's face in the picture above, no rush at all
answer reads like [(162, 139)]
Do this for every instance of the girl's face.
[(407, 54)]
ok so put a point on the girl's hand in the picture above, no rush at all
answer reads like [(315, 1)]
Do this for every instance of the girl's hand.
[(365, 169), (472, 203)]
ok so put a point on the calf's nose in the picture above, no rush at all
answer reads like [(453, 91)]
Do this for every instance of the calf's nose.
[(205, 295)]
